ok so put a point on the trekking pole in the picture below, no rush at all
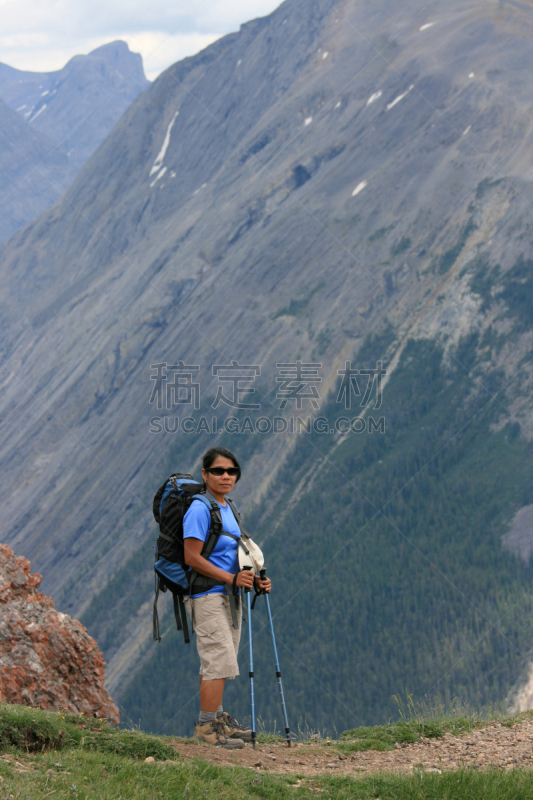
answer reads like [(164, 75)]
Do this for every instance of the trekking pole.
[(262, 573), (251, 673)]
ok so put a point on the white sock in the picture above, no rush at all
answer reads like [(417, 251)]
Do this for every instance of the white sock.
[(220, 711)]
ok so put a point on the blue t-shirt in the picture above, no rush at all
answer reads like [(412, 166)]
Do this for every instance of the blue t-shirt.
[(196, 523)]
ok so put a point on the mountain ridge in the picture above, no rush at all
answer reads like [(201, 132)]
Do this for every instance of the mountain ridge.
[(285, 195), (50, 134)]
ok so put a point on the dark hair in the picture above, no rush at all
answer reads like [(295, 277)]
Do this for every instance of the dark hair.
[(213, 452)]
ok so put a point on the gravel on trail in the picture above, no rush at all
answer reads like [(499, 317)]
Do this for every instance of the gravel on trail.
[(493, 747)]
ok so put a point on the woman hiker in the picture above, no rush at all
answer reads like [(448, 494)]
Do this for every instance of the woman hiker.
[(217, 639)]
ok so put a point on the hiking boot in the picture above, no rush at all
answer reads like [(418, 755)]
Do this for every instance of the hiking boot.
[(214, 732), (233, 730)]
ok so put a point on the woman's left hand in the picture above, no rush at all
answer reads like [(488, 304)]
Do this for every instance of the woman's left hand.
[(263, 585)]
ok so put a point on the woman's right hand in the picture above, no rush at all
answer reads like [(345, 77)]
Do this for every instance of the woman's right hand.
[(245, 578)]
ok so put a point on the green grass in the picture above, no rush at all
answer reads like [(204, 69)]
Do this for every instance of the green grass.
[(107, 777), (430, 722), (110, 777), (33, 730), (425, 721), (466, 785), (53, 755), (384, 737)]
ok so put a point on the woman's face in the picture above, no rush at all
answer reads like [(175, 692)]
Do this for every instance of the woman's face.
[(220, 484)]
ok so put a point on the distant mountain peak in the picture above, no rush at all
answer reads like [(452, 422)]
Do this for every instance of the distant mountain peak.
[(118, 46), (69, 111), (119, 56)]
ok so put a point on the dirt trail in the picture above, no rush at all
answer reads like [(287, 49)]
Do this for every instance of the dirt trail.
[(495, 746)]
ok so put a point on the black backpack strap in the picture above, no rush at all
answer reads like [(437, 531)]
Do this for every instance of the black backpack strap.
[(191, 607), (180, 613), (155, 617), (238, 539), (181, 616), (177, 614), (237, 516), (244, 535), (231, 535), (215, 529), (157, 502), (186, 634)]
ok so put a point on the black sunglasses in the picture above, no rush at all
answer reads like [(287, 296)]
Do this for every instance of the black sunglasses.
[(219, 471)]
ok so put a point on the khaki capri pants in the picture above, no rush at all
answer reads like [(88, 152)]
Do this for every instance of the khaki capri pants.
[(216, 638)]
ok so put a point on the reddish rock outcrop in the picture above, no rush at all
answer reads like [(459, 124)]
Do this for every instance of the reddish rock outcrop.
[(47, 659)]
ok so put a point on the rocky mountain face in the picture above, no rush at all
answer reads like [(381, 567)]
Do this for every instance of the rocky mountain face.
[(337, 183), (25, 191), (47, 659), (57, 120)]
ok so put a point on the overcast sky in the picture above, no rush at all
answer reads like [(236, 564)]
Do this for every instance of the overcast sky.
[(41, 35)]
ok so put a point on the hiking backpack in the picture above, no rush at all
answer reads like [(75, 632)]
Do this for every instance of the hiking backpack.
[(171, 502)]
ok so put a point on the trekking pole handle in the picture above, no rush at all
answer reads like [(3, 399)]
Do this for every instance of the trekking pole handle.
[(246, 568), (262, 574)]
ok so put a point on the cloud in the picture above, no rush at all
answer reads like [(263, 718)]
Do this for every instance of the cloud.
[(41, 35), (160, 50)]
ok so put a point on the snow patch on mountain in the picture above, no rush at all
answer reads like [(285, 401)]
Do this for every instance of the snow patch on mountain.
[(160, 175), (400, 97), (158, 163), (42, 108), (374, 97), (359, 188)]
